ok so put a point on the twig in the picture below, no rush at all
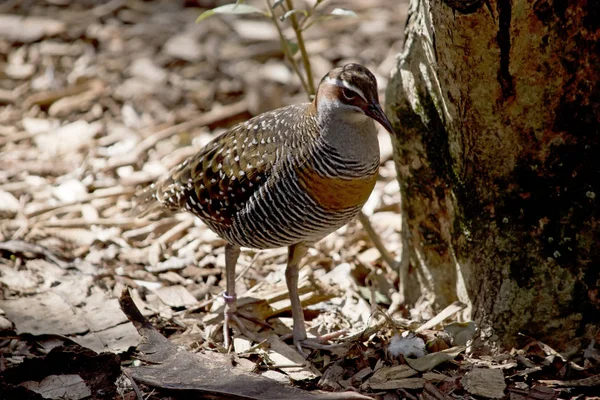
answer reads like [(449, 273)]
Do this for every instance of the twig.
[(99, 194), (311, 12), (134, 385), (286, 49), (241, 275), (442, 316), (156, 226), (305, 59), (174, 231), (387, 257)]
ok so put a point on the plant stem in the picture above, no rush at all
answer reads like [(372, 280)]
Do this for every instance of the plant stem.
[(286, 50), (302, 47), (302, 24), (387, 257)]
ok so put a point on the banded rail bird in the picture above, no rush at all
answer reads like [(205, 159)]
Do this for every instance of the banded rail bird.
[(287, 177)]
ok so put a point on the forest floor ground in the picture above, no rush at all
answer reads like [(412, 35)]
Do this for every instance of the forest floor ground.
[(98, 99)]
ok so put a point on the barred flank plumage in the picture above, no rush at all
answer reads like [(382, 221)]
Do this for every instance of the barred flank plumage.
[(276, 180)]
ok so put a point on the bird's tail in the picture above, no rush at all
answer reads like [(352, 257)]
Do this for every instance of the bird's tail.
[(164, 194), (145, 202)]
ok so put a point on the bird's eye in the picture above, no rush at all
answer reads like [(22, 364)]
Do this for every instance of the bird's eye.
[(348, 94)]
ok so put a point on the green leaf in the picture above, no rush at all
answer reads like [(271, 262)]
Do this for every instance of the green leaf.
[(237, 8), (342, 12), (292, 47), (291, 12), (432, 360)]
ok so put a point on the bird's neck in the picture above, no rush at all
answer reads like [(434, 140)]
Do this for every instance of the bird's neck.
[(351, 134)]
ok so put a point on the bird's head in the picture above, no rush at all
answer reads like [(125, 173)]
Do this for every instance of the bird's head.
[(351, 89)]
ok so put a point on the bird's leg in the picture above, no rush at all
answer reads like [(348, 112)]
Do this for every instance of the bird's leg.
[(231, 256), (295, 254)]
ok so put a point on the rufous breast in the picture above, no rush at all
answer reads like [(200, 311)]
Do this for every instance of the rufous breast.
[(336, 194)]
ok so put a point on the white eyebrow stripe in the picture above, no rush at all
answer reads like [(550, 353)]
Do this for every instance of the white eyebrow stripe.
[(341, 83)]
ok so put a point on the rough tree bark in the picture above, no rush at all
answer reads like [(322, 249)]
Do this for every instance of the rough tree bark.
[(496, 105)]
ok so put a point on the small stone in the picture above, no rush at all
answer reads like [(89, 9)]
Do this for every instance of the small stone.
[(70, 191), (146, 69), (67, 138), (184, 47), (15, 28)]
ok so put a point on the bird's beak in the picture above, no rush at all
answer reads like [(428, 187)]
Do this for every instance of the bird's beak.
[(374, 111)]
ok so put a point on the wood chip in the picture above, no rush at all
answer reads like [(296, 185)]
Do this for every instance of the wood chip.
[(488, 383), (175, 296), (70, 386), (282, 354), (408, 383), (388, 374)]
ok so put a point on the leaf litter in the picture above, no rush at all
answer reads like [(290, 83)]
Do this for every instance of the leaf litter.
[(100, 98)]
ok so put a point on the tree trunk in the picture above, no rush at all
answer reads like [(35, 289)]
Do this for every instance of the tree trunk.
[(496, 106)]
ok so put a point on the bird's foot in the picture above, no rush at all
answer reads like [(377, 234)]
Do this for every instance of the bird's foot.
[(317, 343), (233, 315)]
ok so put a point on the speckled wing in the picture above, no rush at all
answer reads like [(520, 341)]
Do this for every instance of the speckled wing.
[(217, 182)]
